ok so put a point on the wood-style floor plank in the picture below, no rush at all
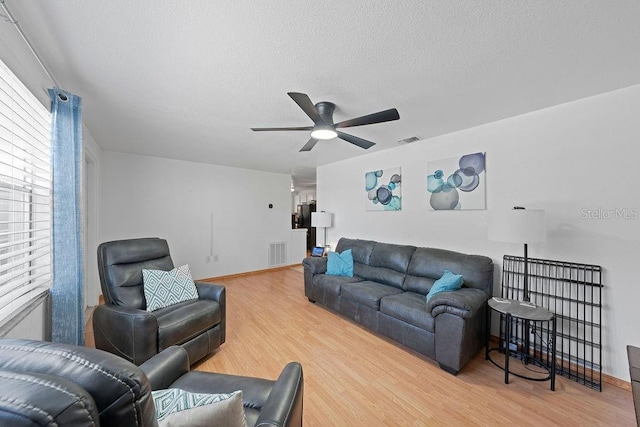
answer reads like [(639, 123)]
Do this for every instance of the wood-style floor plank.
[(356, 378)]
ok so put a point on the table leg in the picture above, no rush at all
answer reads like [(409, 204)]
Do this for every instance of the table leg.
[(487, 333), (527, 341), (507, 350), (553, 353)]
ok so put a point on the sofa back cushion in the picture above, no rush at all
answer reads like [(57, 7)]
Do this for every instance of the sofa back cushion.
[(361, 249), (428, 264), (388, 264), (477, 271), (395, 257)]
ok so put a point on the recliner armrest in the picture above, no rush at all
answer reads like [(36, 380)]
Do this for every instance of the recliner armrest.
[(166, 367), (464, 302), (316, 265), (284, 404), (213, 291), (128, 332)]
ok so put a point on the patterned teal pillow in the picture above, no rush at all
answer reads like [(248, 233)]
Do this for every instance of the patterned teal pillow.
[(176, 407), (448, 282), (340, 264), (165, 288)]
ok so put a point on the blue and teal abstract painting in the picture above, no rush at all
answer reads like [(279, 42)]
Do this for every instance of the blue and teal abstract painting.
[(457, 183), (384, 189)]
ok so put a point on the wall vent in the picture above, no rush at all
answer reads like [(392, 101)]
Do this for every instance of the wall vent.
[(408, 140), (277, 254)]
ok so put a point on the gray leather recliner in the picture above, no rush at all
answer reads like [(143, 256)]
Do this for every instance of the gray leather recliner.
[(122, 325), (43, 383)]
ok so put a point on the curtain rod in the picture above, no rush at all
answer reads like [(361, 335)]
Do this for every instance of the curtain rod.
[(12, 20)]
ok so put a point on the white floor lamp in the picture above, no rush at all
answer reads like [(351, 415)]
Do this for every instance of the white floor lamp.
[(519, 225)]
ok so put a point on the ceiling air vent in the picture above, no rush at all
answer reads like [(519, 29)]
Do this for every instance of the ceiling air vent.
[(408, 140)]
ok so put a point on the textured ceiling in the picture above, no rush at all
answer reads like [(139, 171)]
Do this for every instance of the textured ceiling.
[(187, 79)]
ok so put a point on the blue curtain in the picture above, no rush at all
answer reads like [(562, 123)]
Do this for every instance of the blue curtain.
[(68, 282)]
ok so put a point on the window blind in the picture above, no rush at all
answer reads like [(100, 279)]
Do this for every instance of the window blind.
[(25, 195)]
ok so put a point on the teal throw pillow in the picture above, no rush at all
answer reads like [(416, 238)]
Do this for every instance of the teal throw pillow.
[(448, 282), (340, 264)]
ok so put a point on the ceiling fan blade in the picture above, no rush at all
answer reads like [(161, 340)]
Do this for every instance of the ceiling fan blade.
[(369, 119), (309, 145), (288, 128), (362, 143), (303, 101)]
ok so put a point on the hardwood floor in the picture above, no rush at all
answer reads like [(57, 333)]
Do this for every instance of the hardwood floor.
[(356, 378)]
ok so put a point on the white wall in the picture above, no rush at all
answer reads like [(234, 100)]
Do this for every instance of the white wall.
[(152, 197), (566, 159)]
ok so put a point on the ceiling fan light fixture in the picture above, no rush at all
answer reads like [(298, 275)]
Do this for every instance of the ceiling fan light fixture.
[(323, 125), (324, 132)]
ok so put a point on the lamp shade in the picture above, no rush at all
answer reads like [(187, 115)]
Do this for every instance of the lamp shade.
[(518, 226), (321, 219)]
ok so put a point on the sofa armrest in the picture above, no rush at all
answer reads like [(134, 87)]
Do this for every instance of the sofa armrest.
[(215, 292), (166, 367), (283, 407), (127, 332), (464, 302), (316, 265)]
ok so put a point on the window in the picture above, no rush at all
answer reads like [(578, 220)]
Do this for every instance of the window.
[(25, 195)]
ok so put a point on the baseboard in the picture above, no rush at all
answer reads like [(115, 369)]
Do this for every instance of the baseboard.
[(616, 382), (247, 273)]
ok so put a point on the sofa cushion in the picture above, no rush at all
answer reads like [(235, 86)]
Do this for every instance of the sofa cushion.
[(332, 283), (340, 264), (361, 248), (430, 262), (382, 275), (368, 293), (448, 282), (477, 271), (181, 322), (408, 307), (417, 284), (395, 257)]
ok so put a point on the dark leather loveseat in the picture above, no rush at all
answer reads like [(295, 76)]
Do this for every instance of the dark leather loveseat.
[(57, 384), (387, 294)]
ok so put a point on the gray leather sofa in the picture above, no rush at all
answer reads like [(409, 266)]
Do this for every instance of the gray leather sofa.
[(387, 294), (46, 384)]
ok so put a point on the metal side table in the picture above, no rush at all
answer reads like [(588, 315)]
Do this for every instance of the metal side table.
[(528, 313)]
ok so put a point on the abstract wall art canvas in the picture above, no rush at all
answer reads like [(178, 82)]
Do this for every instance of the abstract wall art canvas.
[(457, 183), (383, 189)]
